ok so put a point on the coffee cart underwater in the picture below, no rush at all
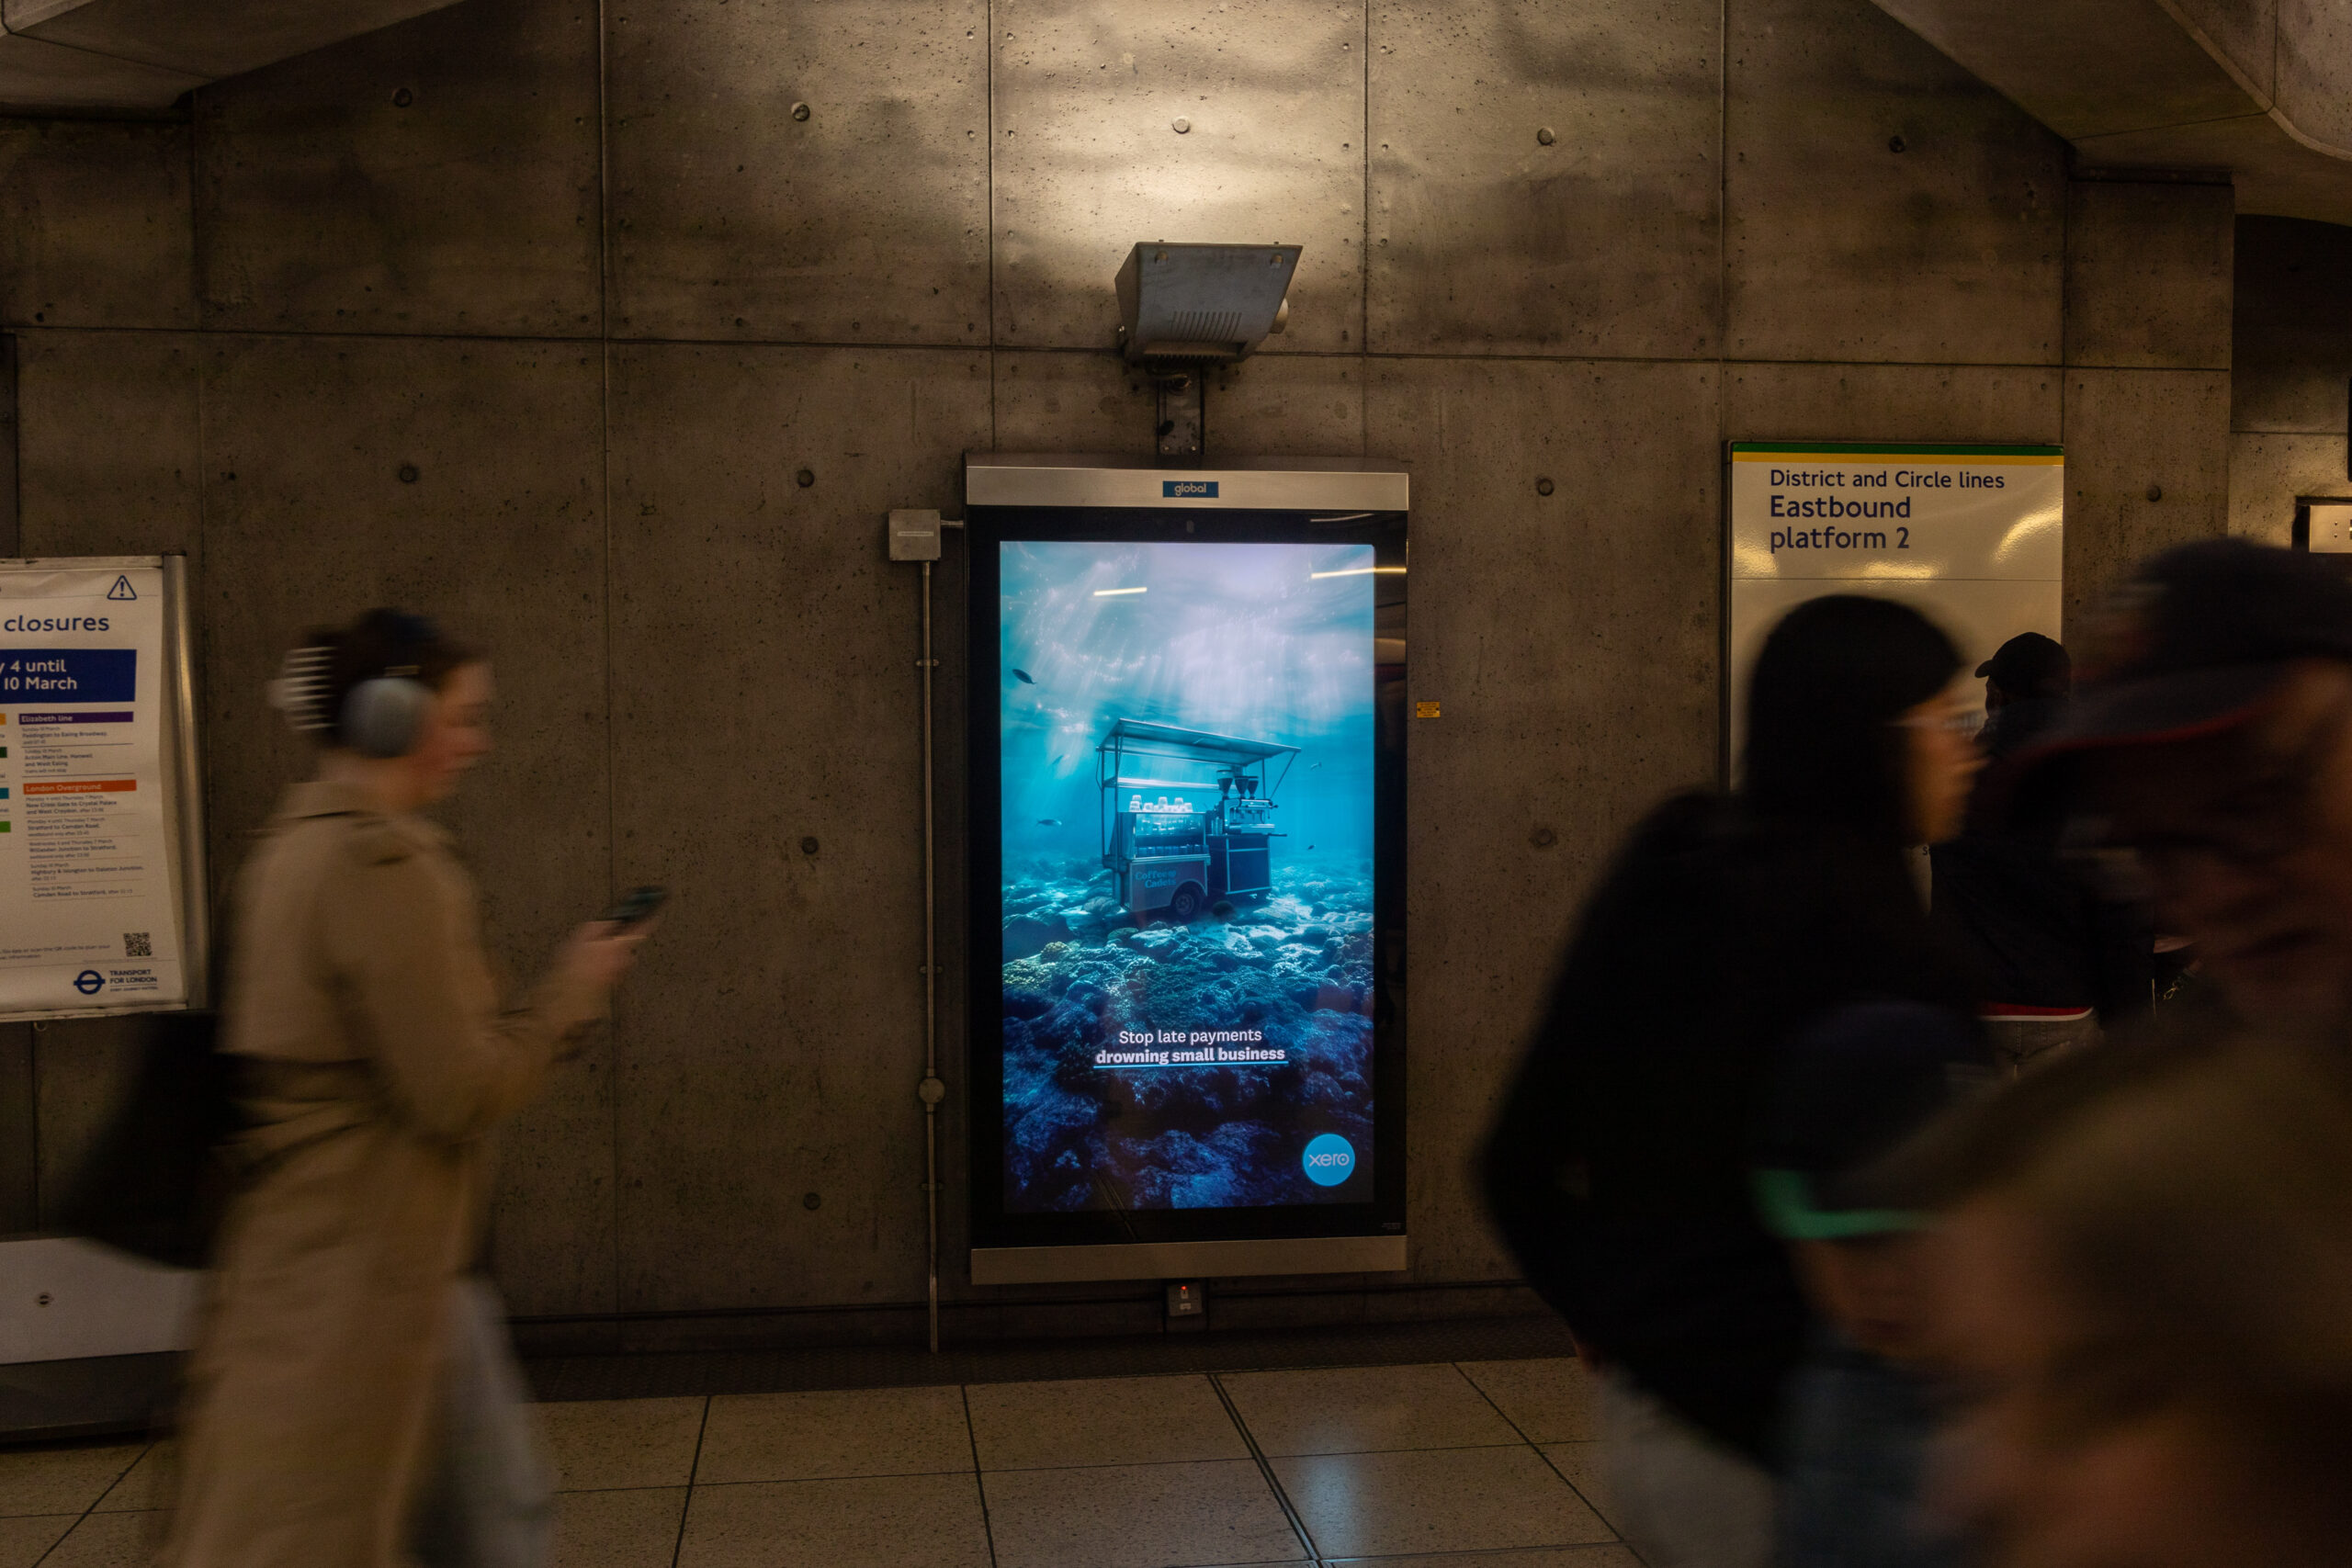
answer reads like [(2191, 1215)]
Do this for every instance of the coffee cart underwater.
[(1169, 855)]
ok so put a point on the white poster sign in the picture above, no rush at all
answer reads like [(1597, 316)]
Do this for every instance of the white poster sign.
[(101, 905), (1972, 536)]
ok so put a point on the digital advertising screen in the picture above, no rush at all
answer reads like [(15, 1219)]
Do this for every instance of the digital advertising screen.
[(1187, 942)]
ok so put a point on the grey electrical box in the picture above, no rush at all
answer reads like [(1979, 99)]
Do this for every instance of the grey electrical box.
[(1195, 303), (914, 536)]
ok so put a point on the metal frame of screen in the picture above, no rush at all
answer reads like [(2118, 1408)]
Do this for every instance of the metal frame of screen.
[(1163, 1242)]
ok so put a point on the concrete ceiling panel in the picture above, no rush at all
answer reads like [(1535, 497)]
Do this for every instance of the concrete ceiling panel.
[(1999, 405), (1882, 204), (1570, 641), (2241, 31), (219, 38), (2084, 68), (94, 224), (1544, 179), (763, 675), (2315, 74), (864, 221), (2258, 89), (2148, 274), (438, 176), (2272, 175), (2147, 468), (2292, 355), (1089, 159), (41, 77), (460, 479)]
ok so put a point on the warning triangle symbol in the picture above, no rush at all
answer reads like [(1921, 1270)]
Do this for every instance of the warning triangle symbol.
[(122, 589)]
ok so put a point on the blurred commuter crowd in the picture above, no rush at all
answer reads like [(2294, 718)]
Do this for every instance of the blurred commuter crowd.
[(1940, 1144)]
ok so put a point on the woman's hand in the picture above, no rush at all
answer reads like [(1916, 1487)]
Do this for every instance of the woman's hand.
[(601, 951)]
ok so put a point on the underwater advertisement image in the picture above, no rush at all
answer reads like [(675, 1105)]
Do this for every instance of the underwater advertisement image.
[(1188, 788)]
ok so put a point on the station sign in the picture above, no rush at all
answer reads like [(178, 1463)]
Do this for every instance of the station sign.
[(1972, 537)]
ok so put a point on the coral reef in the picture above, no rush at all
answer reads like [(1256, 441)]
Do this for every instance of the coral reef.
[(1295, 966)]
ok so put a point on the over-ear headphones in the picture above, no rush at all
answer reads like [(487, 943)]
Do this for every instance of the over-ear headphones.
[(381, 715), (384, 716)]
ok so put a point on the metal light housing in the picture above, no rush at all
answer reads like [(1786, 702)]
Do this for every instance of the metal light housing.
[(1202, 304)]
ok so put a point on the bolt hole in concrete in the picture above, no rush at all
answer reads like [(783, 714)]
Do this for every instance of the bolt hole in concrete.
[(812, 1201), (403, 98), (1544, 135), (1543, 486), (800, 111), (805, 478), (408, 473), (1894, 145), (1543, 838), (808, 846), (2155, 492), (1182, 125)]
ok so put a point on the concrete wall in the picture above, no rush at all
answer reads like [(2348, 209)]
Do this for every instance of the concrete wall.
[(659, 356), (2292, 387)]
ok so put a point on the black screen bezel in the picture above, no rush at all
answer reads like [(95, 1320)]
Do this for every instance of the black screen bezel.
[(989, 526)]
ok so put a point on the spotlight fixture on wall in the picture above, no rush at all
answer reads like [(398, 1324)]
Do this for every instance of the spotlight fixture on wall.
[(1184, 308)]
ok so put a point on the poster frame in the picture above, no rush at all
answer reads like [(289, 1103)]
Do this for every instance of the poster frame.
[(1117, 501), (1726, 673), (182, 757)]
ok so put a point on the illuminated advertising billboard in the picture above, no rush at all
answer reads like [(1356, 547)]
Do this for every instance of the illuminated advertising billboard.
[(1188, 954)]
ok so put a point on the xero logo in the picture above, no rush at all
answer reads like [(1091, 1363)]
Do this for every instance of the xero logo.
[(1329, 1159)]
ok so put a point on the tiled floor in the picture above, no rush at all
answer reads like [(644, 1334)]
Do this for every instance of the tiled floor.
[(1472, 1464)]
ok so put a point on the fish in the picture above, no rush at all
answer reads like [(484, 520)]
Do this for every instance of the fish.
[(1311, 766), (1310, 846), (1060, 760), (1025, 678), (1049, 821)]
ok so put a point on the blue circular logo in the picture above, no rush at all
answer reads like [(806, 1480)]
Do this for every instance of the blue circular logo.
[(1329, 1160), (88, 981)]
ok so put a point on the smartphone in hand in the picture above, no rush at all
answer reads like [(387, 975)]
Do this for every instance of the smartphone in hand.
[(637, 905)]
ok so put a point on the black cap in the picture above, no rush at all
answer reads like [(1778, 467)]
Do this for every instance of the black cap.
[(2195, 642), (2029, 665), (1842, 1095)]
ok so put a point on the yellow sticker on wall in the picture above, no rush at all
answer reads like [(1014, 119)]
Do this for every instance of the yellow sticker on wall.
[(1424, 710)]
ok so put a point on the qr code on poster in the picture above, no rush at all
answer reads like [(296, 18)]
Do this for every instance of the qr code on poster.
[(137, 944)]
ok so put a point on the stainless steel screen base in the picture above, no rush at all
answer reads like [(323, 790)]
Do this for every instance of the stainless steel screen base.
[(1187, 1259)]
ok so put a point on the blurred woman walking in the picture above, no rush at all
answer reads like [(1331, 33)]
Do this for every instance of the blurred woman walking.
[(1620, 1169), (376, 1061)]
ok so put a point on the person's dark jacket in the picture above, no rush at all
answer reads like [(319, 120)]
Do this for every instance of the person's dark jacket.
[(1619, 1169), (2030, 931)]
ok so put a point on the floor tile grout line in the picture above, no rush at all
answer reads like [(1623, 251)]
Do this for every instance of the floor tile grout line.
[(104, 1492), (1266, 1470), (686, 1506), (1491, 1404), (699, 1483), (1525, 1435), (979, 1482)]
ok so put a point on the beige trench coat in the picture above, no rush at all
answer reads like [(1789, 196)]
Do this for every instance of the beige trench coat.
[(380, 1061)]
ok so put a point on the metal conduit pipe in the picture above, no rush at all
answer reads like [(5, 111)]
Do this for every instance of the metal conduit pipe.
[(915, 535), (930, 1091)]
